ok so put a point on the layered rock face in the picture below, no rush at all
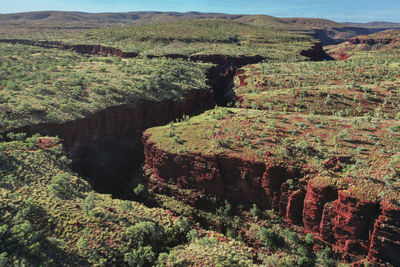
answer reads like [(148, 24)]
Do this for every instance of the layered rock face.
[(219, 176), (371, 41), (315, 53), (79, 48), (315, 200), (354, 228), (366, 43), (385, 238), (237, 61)]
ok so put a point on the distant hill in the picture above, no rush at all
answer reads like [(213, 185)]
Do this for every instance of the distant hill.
[(329, 32), (388, 40), (97, 20), (314, 23), (376, 24), (269, 22)]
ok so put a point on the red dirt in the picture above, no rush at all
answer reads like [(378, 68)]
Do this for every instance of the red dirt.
[(47, 143), (343, 56)]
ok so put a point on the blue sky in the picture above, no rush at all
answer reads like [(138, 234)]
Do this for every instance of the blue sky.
[(339, 10)]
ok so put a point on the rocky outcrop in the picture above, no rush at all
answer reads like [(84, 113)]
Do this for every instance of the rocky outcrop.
[(385, 237), (352, 222), (316, 197), (238, 180), (294, 209), (333, 36), (354, 227), (371, 41), (229, 178), (79, 48), (236, 61), (382, 41)]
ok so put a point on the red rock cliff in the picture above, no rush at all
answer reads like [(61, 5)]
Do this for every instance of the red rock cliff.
[(355, 228)]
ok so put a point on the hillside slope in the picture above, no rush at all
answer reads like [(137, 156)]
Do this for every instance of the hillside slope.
[(388, 41), (329, 32)]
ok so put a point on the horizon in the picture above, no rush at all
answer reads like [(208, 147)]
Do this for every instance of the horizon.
[(339, 11), (192, 11)]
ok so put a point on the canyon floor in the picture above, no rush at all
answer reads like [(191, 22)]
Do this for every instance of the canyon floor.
[(212, 142)]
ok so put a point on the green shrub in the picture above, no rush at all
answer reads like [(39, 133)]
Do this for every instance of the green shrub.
[(89, 205), (291, 236), (162, 259), (3, 259), (126, 205), (3, 230), (309, 238), (143, 256), (146, 233), (255, 211), (25, 233), (305, 262), (324, 257), (192, 235), (29, 211), (181, 228), (271, 239), (82, 244), (139, 190), (61, 186)]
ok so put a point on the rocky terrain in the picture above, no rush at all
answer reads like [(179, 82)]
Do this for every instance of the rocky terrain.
[(386, 40), (227, 154)]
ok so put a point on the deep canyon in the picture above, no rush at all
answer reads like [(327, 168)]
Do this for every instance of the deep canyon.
[(107, 148)]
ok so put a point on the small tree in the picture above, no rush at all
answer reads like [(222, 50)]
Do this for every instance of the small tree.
[(324, 257), (309, 238), (82, 244), (255, 211), (181, 228), (89, 201), (139, 190), (271, 239), (3, 259), (146, 233), (61, 186), (143, 256)]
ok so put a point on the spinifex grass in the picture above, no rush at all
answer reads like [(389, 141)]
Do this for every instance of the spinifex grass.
[(187, 38), (364, 84), (297, 141), (47, 85)]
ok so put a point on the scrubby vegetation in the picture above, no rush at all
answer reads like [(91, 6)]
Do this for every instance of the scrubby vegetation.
[(365, 84), (198, 37), (50, 216), (299, 132), (40, 85), (299, 140), (188, 38)]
